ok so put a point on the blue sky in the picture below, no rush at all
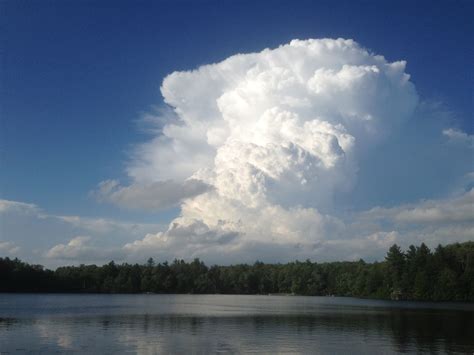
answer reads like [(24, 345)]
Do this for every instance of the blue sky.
[(77, 76)]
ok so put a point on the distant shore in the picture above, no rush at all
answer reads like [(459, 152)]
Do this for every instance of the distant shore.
[(445, 274)]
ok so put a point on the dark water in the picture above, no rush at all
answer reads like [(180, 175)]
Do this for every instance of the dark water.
[(187, 324)]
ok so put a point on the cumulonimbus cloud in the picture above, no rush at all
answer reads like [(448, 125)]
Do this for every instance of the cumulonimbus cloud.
[(274, 134), (259, 150)]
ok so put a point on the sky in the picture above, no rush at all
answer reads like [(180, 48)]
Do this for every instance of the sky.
[(234, 131)]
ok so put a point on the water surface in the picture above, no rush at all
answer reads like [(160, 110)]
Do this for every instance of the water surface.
[(202, 324)]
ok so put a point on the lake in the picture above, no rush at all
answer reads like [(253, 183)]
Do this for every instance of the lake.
[(203, 324)]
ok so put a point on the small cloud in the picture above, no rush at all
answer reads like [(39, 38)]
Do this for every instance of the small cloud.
[(460, 209), (451, 210), (19, 207), (82, 248), (459, 137), (8, 248), (76, 247)]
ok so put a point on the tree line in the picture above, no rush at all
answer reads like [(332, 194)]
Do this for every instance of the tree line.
[(445, 274)]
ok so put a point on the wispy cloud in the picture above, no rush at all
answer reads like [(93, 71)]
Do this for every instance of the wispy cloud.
[(27, 231), (452, 210), (81, 249), (9, 248), (153, 196), (459, 137)]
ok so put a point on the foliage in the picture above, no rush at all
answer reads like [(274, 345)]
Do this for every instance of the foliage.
[(447, 274)]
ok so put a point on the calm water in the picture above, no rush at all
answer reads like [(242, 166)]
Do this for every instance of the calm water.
[(147, 324)]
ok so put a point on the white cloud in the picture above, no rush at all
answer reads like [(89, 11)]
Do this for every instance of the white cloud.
[(275, 134), (452, 210), (104, 226), (153, 196), (301, 235), (80, 249), (7, 206), (457, 136), (257, 151), (8, 248), (28, 232), (77, 247)]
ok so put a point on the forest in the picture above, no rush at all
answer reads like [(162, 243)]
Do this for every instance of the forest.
[(445, 274)]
